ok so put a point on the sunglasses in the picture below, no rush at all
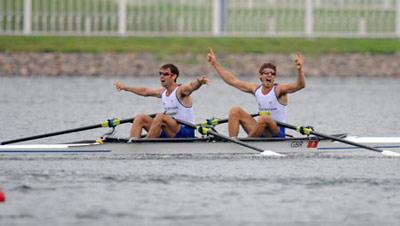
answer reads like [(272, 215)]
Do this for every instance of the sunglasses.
[(268, 73), (165, 74)]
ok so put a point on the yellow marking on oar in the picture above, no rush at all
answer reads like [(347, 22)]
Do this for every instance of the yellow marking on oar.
[(261, 113), (116, 122), (210, 122), (202, 130), (214, 121), (304, 130), (111, 122)]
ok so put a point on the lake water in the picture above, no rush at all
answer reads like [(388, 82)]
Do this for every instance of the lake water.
[(196, 189)]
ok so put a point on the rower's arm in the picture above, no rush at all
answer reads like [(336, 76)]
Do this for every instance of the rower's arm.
[(142, 91), (228, 77), (300, 81), (187, 89)]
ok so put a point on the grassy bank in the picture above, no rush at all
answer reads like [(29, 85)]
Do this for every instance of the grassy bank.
[(172, 45)]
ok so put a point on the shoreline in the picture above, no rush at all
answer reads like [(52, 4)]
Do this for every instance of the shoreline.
[(143, 64)]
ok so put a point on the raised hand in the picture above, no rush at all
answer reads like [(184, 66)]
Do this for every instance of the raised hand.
[(119, 86), (299, 61), (211, 56), (203, 80)]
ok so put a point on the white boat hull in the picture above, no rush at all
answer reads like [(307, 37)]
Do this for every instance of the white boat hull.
[(204, 146)]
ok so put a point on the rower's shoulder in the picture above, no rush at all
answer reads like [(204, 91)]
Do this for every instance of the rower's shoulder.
[(159, 91), (254, 86)]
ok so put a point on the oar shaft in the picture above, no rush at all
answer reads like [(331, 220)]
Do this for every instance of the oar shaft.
[(347, 142), (104, 124), (193, 126), (50, 134), (331, 137), (226, 120), (234, 141)]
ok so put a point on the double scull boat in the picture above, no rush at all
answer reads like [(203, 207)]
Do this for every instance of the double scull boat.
[(207, 145), (211, 142)]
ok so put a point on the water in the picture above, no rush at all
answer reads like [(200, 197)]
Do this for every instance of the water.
[(196, 189)]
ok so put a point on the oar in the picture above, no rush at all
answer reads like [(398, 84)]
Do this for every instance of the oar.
[(108, 123), (223, 137), (305, 130), (215, 121)]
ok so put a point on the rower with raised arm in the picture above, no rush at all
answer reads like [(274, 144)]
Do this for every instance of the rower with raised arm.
[(271, 97), (176, 101)]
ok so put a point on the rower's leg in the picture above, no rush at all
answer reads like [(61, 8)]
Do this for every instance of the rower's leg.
[(265, 124), (237, 117), (165, 123), (141, 121)]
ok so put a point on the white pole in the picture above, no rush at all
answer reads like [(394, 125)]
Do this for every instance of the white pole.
[(87, 18), (217, 7), (27, 17), (122, 6), (309, 20), (180, 20), (362, 27), (271, 26), (398, 18)]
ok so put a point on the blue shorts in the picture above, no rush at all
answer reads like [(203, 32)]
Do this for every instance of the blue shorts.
[(281, 133), (184, 132)]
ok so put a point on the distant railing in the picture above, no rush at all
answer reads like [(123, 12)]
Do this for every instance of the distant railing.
[(254, 18)]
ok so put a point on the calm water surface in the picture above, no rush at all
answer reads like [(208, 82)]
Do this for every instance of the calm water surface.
[(196, 189)]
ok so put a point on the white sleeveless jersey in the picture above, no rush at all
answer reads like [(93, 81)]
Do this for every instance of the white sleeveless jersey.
[(174, 108), (269, 104)]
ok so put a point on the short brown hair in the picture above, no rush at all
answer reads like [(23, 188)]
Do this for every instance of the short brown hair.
[(172, 68), (267, 65)]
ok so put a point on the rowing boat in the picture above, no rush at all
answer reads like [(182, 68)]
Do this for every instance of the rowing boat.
[(205, 145), (211, 142)]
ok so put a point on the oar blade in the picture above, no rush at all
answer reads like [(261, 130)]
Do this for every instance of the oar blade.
[(271, 153), (390, 153)]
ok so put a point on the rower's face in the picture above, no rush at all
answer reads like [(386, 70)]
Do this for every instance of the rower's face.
[(166, 77), (267, 76)]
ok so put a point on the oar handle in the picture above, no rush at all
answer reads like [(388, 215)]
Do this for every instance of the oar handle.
[(286, 125), (215, 121)]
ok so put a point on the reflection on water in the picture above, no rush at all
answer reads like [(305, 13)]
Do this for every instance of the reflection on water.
[(198, 189)]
